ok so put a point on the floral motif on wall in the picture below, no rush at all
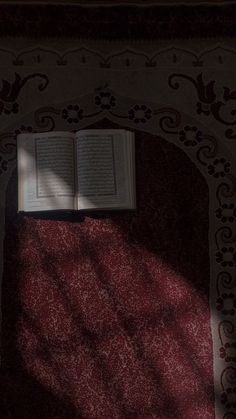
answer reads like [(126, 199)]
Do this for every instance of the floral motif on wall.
[(228, 398), (228, 352), (219, 167), (227, 336), (190, 136), (226, 212), (105, 100), (227, 304), (208, 104), (140, 114), (11, 91), (228, 395), (72, 113), (226, 256)]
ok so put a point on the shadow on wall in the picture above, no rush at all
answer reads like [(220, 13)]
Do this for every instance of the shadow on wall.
[(109, 313)]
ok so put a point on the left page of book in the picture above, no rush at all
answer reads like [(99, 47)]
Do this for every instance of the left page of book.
[(46, 171)]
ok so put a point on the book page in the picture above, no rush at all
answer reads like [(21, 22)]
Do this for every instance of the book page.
[(46, 171), (105, 178)]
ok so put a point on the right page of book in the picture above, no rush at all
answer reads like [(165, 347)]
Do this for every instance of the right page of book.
[(106, 169)]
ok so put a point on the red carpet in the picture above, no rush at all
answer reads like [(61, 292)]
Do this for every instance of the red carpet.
[(108, 316)]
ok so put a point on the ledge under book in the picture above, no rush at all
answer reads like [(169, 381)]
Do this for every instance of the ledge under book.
[(88, 170)]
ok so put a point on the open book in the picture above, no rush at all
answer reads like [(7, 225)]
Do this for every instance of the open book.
[(91, 169)]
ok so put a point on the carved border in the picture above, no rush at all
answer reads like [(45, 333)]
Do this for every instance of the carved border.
[(126, 59), (119, 22)]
